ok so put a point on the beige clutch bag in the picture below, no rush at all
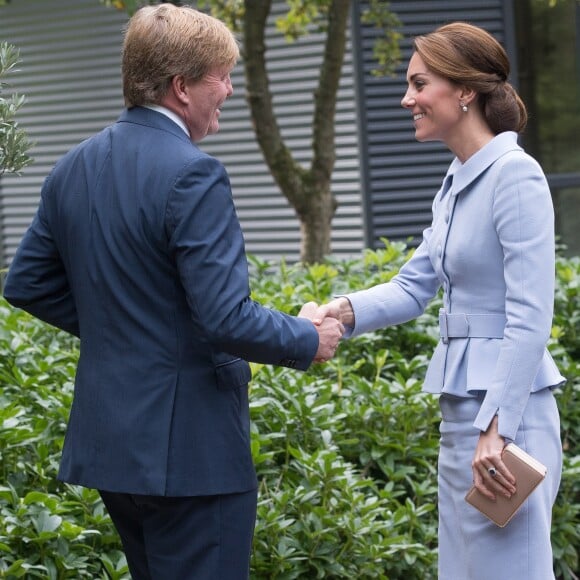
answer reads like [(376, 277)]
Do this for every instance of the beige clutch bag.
[(529, 473)]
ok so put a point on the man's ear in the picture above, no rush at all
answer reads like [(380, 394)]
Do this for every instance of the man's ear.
[(179, 89)]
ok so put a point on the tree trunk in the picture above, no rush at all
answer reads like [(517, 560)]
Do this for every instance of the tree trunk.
[(308, 191), (315, 226)]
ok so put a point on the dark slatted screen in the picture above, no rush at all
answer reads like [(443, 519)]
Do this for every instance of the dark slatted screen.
[(401, 175)]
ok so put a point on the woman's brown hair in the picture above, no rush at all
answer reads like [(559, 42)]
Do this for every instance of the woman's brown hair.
[(471, 57)]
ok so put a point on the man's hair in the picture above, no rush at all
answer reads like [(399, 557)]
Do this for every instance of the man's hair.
[(166, 40)]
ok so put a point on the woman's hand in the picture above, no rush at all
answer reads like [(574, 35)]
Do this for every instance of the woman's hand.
[(490, 474), (339, 308)]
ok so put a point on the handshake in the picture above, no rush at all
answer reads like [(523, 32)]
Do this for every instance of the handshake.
[(329, 320)]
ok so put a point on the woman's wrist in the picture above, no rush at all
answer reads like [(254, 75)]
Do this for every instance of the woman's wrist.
[(346, 311)]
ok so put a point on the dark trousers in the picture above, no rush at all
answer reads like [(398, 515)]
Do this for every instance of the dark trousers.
[(185, 538)]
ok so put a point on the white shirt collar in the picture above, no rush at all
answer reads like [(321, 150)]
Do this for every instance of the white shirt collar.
[(168, 113)]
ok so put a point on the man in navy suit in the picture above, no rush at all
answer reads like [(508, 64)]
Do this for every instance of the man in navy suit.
[(137, 250)]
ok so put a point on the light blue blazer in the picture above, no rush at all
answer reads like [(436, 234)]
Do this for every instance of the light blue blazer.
[(491, 247)]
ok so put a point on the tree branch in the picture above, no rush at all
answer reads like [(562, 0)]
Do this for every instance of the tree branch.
[(325, 96), (285, 170)]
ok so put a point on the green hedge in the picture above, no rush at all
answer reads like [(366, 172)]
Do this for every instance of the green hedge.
[(345, 453)]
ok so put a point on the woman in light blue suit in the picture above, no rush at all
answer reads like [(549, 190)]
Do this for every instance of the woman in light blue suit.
[(491, 248)]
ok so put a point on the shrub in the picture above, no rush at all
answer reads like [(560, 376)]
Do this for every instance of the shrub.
[(47, 529), (345, 453), (14, 144)]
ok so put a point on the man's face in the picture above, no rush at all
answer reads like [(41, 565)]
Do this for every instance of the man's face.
[(206, 96)]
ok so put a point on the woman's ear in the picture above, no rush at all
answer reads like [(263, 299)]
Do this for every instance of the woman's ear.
[(467, 95)]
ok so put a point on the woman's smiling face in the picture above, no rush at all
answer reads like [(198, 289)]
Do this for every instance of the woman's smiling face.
[(434, 102)]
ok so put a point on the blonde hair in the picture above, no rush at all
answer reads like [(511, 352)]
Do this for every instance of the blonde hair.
[(166, 40), (471, 57)]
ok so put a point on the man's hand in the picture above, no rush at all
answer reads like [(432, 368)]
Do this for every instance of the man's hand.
[(330, 331)]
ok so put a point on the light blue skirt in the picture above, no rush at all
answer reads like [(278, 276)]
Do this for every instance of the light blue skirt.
[(470, 546)]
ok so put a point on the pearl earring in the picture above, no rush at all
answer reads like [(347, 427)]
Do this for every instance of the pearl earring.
[(464, 107)]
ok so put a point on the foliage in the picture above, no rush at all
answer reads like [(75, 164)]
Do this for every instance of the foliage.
[(129, 6), (14, 143), (549, 32), (345, 453), (47, 529), (386, 49), (299, 19), (566, 351)]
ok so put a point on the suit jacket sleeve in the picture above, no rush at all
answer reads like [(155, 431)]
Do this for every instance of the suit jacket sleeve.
[(524, 221), (402, 299), (37, 280), (206, 241)]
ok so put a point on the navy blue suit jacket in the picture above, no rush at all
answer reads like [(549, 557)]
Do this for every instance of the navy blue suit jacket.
[(137, 250)]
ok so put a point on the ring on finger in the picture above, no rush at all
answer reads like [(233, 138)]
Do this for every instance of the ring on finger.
[(492, 471)]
